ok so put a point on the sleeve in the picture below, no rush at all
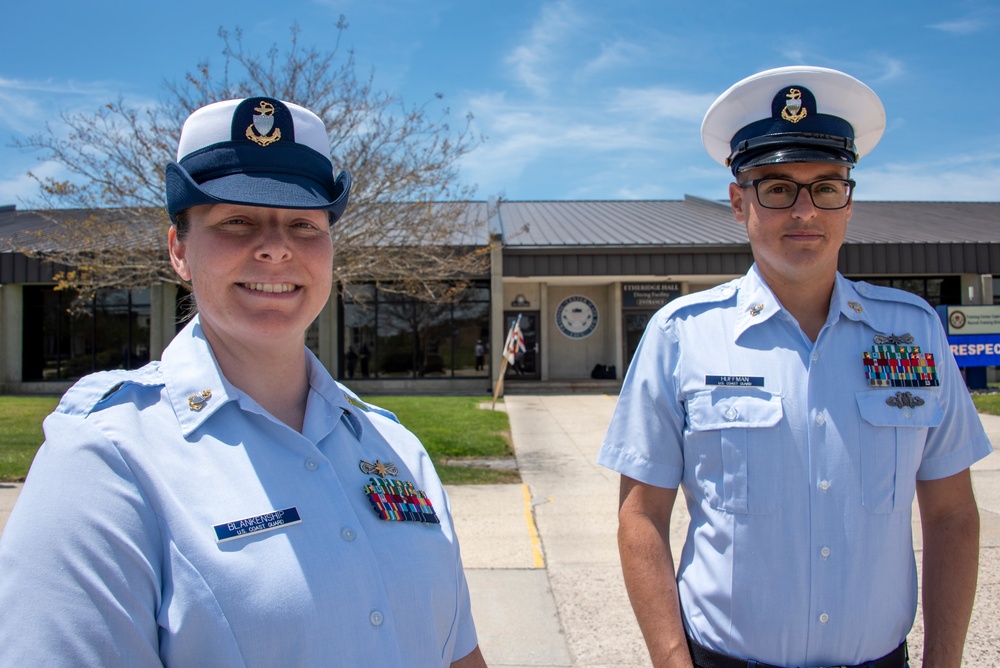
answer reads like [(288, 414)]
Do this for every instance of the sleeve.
[(466, 638), (645, 437), (960, 440), (79, 558)]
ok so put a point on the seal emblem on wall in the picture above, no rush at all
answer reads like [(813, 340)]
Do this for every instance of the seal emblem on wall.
[(576, 317)]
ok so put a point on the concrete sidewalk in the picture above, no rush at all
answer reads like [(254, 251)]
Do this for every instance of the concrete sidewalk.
[(542, 560)]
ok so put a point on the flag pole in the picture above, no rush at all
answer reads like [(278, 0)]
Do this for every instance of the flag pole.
[(503, 364)]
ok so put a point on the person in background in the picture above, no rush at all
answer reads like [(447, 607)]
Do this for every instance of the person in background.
[(800, 413), (233, 505)]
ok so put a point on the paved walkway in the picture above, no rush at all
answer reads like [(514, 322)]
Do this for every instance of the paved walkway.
[(542, 561)]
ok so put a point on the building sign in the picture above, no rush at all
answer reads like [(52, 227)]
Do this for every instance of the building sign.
[(576, 317), (982, 350), (649, 295), (966, 320)]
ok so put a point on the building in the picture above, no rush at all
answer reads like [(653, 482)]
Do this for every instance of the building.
[(584, 277)]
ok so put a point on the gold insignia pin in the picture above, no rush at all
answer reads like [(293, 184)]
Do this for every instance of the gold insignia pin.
[(197, 401), (378, 467), (793, 111), (263, 122), (856, 306), (756, 309)]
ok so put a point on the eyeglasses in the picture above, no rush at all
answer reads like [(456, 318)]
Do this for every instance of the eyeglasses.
[(782, 193)]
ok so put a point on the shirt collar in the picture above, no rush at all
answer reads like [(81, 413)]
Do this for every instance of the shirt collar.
[(755, 303), (197, 389), (333, 395), (195, 385), (853, 300)]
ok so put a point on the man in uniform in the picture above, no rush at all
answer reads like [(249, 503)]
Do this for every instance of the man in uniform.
[(800, 413)]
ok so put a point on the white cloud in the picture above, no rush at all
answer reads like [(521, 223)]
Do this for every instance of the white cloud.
[(533, 60), (658, 103), (957, 179), (22, 189), (960, 26)]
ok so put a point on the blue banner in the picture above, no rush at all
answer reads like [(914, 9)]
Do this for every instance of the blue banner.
[(981, 350)]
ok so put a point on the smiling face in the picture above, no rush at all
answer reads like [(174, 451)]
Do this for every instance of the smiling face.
[(260, 276), (798, 245)]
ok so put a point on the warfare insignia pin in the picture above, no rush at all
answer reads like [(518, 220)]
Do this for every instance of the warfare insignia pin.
[(793, 111), (263, 122), (904, 400), (400, 501), (892, 339), (756, 309), (197, 401), (856, 307), (378, 467)]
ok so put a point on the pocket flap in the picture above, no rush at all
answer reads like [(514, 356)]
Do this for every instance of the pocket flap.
[(892, 407), (722, 408)]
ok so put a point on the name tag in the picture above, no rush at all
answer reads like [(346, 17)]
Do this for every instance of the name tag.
[(735, 381), (254, 525)]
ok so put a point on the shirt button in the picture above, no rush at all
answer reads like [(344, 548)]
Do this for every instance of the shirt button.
[(815, 357), (824, 485), (820, 419), (907, 413), (825, 552), (347, 533), (731, 414), (375, 618), (824, 618), (311, 464)]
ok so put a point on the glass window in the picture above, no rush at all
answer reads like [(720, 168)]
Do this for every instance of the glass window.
[(111, 332), (388, 335)]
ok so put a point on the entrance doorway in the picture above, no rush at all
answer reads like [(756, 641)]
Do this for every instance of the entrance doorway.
[(634, 323), (527, 365)]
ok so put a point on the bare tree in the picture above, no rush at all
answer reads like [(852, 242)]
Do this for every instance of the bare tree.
[(408, 227)]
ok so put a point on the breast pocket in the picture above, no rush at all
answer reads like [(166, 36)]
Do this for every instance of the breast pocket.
[(893, 430), (733, 446)]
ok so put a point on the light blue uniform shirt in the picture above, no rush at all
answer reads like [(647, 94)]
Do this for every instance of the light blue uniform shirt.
[(798, 476), (111, 556)]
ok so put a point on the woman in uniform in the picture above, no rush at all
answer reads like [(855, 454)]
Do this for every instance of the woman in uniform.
[(232, 504)]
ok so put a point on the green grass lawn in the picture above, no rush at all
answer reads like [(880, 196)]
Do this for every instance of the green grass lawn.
[(449, 427), (455, 428), (987, 403), (21, 432)]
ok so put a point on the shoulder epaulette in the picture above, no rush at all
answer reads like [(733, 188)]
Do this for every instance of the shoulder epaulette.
[(355, 400), (886, 294), (97, 390)]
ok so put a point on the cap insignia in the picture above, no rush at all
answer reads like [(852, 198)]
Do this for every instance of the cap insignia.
[(383, 470), (197, 401), (793, 111), (263, 122), (856, 306), (756, 309)]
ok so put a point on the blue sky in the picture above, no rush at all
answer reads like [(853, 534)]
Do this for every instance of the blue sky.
[(578, 99)]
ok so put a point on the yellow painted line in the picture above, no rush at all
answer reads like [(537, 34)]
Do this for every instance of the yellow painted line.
[(536, 544)]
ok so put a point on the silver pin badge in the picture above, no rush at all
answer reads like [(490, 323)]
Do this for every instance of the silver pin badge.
[(197, 401), (378, 467), (904, 400), (892, 339)]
